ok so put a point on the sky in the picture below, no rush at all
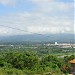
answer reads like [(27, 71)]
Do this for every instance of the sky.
[(18, 17)]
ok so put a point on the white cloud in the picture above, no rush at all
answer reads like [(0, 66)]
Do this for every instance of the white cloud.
[(49, 17), (41, 1), (8, 2), (48, 30), (3, 31), (53, 4), (37, 23)]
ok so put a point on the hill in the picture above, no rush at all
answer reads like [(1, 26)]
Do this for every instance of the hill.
[(39, 38)]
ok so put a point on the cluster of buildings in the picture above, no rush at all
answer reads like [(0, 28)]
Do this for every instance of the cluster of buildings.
[(62, 45), (65, 45)]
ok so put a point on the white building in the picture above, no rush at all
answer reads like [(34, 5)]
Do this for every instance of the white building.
[(56, 43)]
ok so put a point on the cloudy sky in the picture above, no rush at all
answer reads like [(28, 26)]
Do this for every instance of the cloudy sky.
[(36, 16)]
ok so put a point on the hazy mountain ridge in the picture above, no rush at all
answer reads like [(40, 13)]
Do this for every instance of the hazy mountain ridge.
[(39, 38)]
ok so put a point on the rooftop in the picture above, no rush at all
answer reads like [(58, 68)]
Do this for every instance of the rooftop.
[(72, 61)]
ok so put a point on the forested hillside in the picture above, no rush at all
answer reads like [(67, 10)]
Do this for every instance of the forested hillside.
[(40, 61)]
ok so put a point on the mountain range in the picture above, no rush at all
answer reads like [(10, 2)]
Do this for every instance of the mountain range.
[(39, 38)]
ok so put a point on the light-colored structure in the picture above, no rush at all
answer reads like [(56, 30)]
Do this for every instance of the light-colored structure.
[(56, 43), (73, 66)]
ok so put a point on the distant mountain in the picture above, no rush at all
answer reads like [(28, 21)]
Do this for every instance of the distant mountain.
[(39, 38)]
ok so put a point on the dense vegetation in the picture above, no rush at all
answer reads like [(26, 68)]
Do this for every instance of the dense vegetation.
[(31, 61)]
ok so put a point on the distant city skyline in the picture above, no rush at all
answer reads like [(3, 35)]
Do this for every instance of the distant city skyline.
[(19, 17)]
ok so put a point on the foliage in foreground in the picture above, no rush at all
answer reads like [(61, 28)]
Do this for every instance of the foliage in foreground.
[(28, 63)]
